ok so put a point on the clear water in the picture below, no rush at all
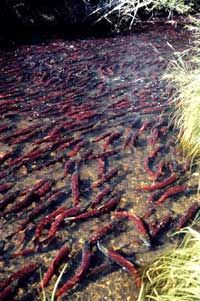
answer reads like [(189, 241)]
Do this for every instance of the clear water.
[(83, 89)]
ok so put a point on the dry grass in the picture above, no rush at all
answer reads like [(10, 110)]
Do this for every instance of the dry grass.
[(184, 75), (126, 11), (53, 294), (175, 275)]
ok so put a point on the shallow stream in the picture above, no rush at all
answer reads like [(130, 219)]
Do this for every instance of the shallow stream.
[(85, 116)]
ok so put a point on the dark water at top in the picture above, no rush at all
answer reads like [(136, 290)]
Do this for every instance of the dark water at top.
[(85, 116)]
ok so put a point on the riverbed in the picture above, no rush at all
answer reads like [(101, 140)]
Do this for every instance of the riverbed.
[(86, 125)]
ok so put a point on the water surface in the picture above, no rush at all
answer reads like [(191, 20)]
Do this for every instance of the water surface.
[(57, 98)]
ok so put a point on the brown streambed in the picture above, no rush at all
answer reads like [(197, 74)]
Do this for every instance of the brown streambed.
[(60, 92)]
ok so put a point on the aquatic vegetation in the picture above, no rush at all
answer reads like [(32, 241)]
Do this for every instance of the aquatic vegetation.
[(175, 274)]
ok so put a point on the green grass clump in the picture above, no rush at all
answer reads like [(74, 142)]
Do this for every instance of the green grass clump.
[(175, 275), (178, 6)]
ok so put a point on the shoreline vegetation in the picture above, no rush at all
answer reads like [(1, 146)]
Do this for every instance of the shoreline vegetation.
[(174, 275), (122, 14), (183, 74)]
